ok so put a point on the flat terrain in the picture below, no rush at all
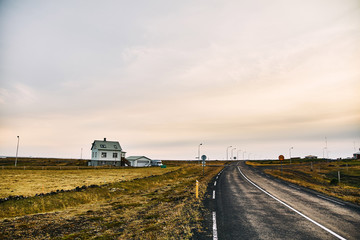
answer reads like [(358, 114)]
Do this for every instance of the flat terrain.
[(321, 176), (243, 199), (30, 182), (151, 206)]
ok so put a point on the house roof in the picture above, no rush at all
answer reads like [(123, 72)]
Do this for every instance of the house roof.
[(132, 158), (106, 145)]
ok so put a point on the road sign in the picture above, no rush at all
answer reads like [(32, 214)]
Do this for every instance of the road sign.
[(281, 158), (203, 157)]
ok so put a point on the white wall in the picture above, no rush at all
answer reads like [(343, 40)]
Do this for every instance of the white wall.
[(109, 155)]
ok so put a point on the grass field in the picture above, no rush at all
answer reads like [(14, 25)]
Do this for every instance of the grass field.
[(152, 206), (33, 161), (321, 176), (30, 182)]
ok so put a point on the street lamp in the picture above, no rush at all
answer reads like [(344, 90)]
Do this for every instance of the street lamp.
[(238, 154), (232, 153), (323, 152), (290, 153), (227, 152), (199, 151), (17, 150)]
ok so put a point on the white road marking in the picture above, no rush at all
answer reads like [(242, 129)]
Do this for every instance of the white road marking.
[(215, 183), (329, 199), (213, 194), (215, 237), (217, 177), (293, 209)]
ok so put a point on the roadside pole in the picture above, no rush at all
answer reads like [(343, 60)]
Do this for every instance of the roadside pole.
[(197, 189)]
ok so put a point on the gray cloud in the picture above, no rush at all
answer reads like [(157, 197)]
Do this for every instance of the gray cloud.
[(159, 75)]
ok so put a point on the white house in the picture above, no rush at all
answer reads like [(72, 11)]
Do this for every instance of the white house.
[(106, 153), (139, 161)]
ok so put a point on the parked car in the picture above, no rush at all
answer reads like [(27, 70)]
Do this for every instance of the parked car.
[(157, 163)]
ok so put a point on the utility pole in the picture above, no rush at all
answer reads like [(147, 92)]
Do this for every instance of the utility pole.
[(227, 152), (238, 154), (17, 150), (232, 153), (326, 146), (199, 152)]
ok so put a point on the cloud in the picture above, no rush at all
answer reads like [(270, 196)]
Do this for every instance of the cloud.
[(160, 74)]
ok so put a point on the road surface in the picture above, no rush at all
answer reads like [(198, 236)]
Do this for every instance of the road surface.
[(247, 204)]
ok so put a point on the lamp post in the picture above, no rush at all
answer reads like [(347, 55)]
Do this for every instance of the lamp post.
[(227, 152), (238, 154), (232, 153), (17, 150), (323, 152), (199, 152), (290, 153)]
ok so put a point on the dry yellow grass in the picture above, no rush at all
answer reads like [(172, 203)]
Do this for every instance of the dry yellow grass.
[(31, 182), (158, 207), (321, 176)]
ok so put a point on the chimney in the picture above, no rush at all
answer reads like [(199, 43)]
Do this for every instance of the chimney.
[(104, 139)]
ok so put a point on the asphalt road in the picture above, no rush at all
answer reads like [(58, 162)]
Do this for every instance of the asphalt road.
[(247, 204)]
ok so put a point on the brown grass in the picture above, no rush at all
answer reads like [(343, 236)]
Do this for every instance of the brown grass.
[(323, 177), (30, 182), (156, 207), (193, 162)]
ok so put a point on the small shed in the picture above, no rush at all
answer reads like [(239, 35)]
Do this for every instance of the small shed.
[(139, 161)]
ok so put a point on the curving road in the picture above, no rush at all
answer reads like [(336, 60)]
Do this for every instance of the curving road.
[(247, 204)]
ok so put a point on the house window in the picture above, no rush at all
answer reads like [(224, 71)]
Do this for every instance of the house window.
[(115, 146), (102, 145), (103, 154), (115, 155), (95, 154)]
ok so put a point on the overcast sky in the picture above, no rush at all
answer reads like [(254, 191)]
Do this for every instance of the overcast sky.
[(163, 76)]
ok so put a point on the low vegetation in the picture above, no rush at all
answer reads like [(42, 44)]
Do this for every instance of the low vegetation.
[(34, 161), (17, 181), (321, 176), (151, 207)]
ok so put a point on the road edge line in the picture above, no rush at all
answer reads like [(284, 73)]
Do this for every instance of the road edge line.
[(293, 209)]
